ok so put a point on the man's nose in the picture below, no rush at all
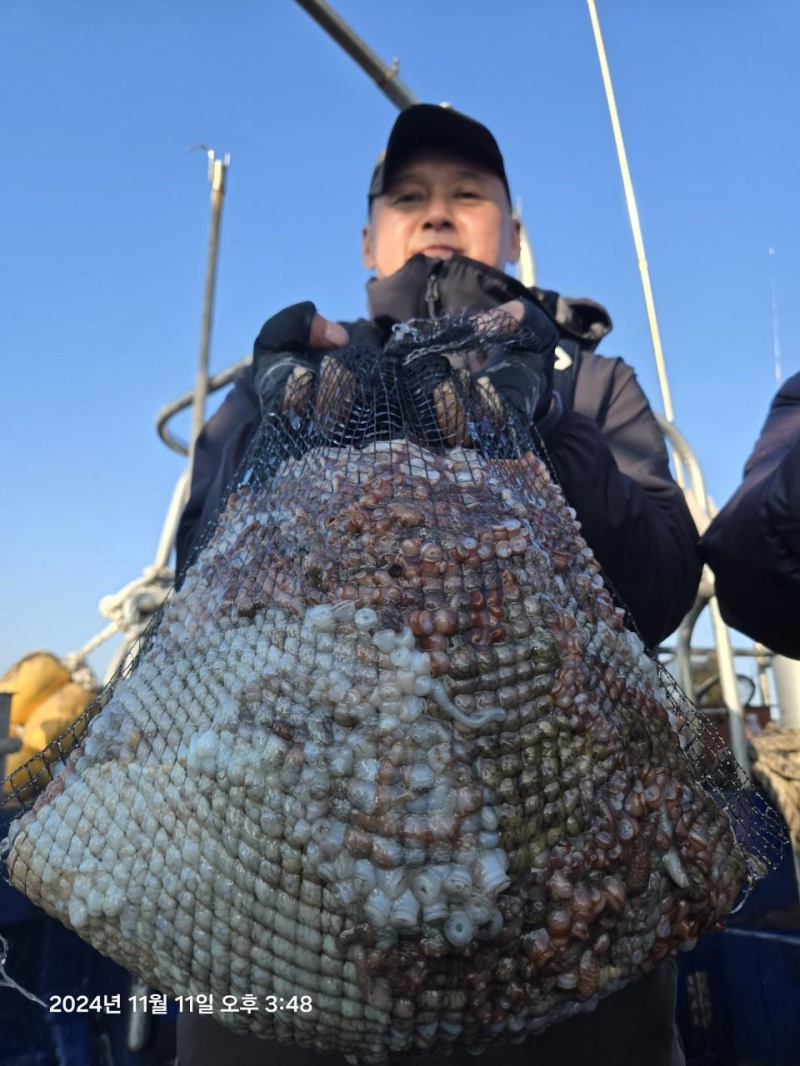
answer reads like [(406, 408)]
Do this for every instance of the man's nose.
[(438, 214)]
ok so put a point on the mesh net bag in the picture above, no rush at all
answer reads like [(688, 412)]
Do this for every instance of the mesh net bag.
[(389, 754)]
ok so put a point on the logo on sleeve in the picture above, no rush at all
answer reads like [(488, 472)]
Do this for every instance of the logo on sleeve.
[(563, 360)]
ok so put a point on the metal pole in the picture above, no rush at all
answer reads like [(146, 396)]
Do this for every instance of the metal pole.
[(216, 175), (698, 650), (527, 264), (180, 496), (168, 411), (633, 214), (384, 76), (776, 336), (725, 662), (729, 688), (683, 648), (786, 675), (762, 662)]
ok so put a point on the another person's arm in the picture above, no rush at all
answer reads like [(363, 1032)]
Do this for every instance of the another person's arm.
[(753, 545)]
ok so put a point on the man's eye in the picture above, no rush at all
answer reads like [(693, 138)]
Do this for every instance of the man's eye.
[(407, 198), (467, 194)]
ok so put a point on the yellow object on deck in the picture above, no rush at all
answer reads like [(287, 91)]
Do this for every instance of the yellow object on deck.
[(45, 703), (56, 714), (31, 681)]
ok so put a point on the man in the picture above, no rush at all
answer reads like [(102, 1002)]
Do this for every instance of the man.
[(753, 545), (439, 235)]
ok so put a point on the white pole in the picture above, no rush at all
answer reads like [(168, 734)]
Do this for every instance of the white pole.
[(638, 240)]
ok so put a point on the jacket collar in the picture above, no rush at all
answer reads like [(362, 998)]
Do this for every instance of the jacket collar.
[(426, 288)]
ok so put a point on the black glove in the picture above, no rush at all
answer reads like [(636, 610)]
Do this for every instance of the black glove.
[(293, 380), (282, 347), (518, 377), (521, 371), (445, 399)]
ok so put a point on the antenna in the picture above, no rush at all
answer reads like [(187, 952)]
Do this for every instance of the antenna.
[(776, 335), (217, 169)]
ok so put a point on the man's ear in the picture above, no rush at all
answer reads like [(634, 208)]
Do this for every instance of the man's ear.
[(367, 253), (515, 239)]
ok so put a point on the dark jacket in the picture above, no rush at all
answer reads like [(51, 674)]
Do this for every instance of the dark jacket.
[(753, 545), (601, 438)]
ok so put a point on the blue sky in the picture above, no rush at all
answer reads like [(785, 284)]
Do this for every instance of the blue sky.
[(105, 223)]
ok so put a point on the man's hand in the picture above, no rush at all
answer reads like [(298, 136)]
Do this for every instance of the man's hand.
[(508, 315), (288, 353), (521, 378), (522, 374), (514, 308), (324, 335)]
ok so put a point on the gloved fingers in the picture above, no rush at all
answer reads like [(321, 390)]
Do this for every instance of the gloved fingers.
[(272, 374), (336, 388), (449, 414), (289, 342), (509, 314), (521, 369), (490, 402), (324, 335), (297, 328), (423, 375), (505, 319), (336, 393), (458, 360), (521, 382), (288, 331), (449, 408), (297, 391), (528, 325), (537, 331)]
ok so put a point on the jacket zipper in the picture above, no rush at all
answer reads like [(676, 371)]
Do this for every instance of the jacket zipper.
[(432, 295)]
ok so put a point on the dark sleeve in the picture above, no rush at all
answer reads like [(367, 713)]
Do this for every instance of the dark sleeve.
[(220, 449), (753, 545), (613, 469)]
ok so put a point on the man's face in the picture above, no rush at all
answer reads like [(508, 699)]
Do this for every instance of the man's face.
[(441, 205)]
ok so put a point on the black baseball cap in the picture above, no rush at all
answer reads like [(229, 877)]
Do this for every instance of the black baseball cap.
[(436, 126)]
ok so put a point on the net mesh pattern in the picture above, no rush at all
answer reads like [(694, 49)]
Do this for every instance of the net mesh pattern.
[(390, 746)]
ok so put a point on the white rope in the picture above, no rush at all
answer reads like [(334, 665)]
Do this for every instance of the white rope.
[(128, 611), (132, 605), (9, 982)]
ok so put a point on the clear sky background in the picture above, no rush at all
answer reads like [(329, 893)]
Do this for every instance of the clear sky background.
[(105, 221)]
